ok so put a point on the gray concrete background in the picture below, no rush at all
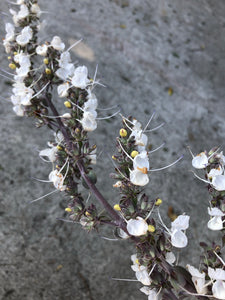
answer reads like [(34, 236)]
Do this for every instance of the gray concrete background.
[(142, 48)]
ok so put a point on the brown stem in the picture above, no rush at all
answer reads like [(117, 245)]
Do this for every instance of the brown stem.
[(118, 220)]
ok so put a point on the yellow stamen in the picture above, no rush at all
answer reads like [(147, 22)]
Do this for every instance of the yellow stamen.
[(68, 209), (123, 132), (113, 157), (67, 104), (59, 147), (158, 202), (45, 61), (170, 91), (12, 66), (151, 228), (87, 214), (48, 71), (117, 207), (137, 261), (134, 153), (9, 57), (144, 170)]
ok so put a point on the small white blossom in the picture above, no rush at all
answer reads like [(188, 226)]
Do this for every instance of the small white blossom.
[(57, 179), (215, 172), (218, 288), (170, 257), (198, 279), (80, 77), (151, 293), (63, 89), (25, 36), (139, 176), (92, 156), (137, 227), (218, 182), (57, 44), (42, 50), (216, 222), (178, 237), (35, 9), (88, 121), (66, 68), (49, 152), (10, 32), (200, 161), (141, 272)]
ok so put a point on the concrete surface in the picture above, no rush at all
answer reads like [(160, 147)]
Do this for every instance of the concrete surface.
[(142, 48)]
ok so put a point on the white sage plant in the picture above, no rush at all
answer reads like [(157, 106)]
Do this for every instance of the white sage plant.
[(40, 69)]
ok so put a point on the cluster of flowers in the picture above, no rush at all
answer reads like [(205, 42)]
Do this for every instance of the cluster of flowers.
[(72, 157), (213, 163)]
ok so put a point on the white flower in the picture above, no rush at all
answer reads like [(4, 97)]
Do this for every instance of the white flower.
[(137, 227), (215, 172), (7, 46), (42, 50), (218, 182), (200, 161), (57, 44), (49, 152), (198, 279), (139, 176), (170, 257), (10, 32), (35, 9), (141, 272), (91, 104), (66, 68), (25, 36), (88, 121), (80, 79), (123, 234), (18, 110), (218, 288), (23, 12), (57, 179), (63, 89), (92, 156), (216, 222), (151, 293), (178, 237)]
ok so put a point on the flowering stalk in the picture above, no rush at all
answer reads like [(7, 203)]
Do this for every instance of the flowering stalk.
[(41, 69)]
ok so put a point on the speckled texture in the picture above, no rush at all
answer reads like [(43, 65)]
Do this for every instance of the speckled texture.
[(142, 48)]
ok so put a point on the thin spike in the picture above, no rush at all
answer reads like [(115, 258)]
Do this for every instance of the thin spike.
[(156, 128), (112, 107), (123, 279), (41, 90), (75, 44), (221, 260), (149, 121), (109, 117), (44, 196), (124, 151), (189, 148), (108, 239), (206, 181), (163, 224), (7, 77), (170, 165), (41, 180), (152, 151), (67, 221)]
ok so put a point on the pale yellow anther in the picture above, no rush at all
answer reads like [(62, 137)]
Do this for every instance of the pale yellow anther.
[(137, 261), (45, 61), (123, 132), (67, 104), (117, 207), (158, 202), (134, 153), (9, 57), (68, 209), (15, 53), (113, 157), (12, 66), (143, 170), (48, 71), (151, 228), (59, 147), (87, 214)]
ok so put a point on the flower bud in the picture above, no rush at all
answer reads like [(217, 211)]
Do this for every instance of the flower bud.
[(123, 132), (48, 71), (67, 104), (134, 153), (45, 61), (158, 202), (117, 207), (68, 209), (12, 66)]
